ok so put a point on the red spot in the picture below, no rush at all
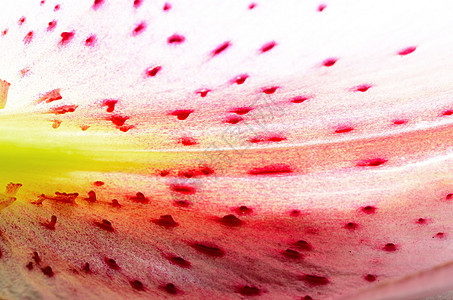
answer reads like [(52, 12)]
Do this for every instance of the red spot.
[(29, 266), (321, 7), (230, 220), (86, 268), (181, 114), (66, 37), (390, 247), (98, 183), (304, 245), (84, 127), (48, 271), (448, 112), (167, 6), (375, 162), (299, 99), (368, 209), (440, 235), (42, 2), (243, 210), (166, 221), (112, 263), (421, 221), (252, 5), (22, 21), (164, 173), (449, 197), (399, 122), (268, 46), (140, 198), (118, 120), (292, 254), (240, 79), (362, 88), (295, 213), (57, 7), (329, 62), (115, 203), (188, 141), (56, 124), (138, 3), (370, 277), (344, 129), (137, 285), (176, 39), (220, 48), (170, 288), (28, 37), (126, 128), (139, 29), (182, 203), (91, 196), (152, 71), (98, 3), (90, 41), (307, 298), (233, 119), (247, 290), (110, 103), (203, 92), (270, 90), (51, 25), (179, 261), (407, 50), (314, 280), (50, 96), (241, 110), (351, 226), (271, 170), (4, 32), (183, 189), (209, 250), (36, 257), (63, 109), (105, 224), (51, 225)]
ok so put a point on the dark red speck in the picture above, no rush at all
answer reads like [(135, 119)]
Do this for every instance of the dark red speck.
[(166, 221), (176, 39), (188, 141), (368, 209), (183, 189), (241, 110), (243, 210), (90, 41), (252, 5), (170, 288), (249, 291), (139, 29), (407, 51), (66, 37), (399, 122), (110, 103), (270, 90), (203, 92), (329, 62), (268, 46), (362, 88), (208, 250), (152, 71), (370, 277), (137, 285), (179, 261), (314, 280), (230, 220), (57, 7), (22, 21), (390, 247), (448, 112), (98, 3), (137, 3), (51, 25), (118, 120), (233, 119), (299, 99), (222, 47), (271, 170), (47, 271), (375, 162), (112, 263), (181, 114), (240, 79), (167, 7), (321, 7)]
